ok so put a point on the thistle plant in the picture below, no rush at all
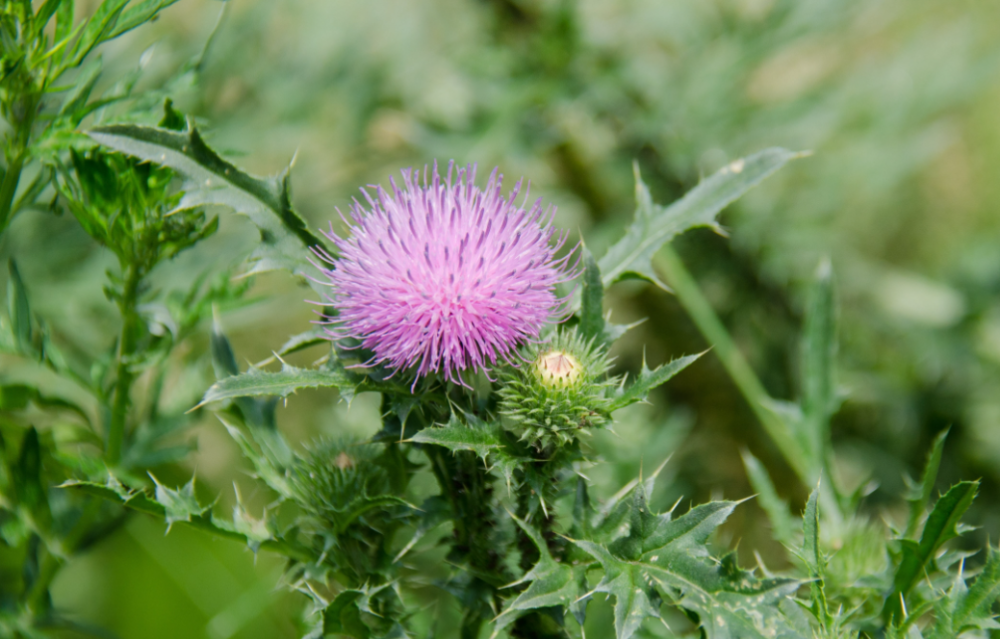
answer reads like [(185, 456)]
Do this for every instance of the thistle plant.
[(484, 332)]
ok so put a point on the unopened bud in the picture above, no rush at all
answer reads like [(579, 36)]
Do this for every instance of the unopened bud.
[(558, 369)]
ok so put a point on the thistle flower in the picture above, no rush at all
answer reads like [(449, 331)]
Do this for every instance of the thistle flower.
[(445, 277), (565, 389)]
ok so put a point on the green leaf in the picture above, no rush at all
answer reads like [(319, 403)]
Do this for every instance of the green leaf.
[(810, 536), (343, 617), (671, 555), (289, 379), (656, 225), (82, 87), (813, 556), (485, 439), (97, 29), (139, 14), (27, 475), (303, 341), (64, 21), (592, 303), (819, 348), (433, 512), (179, 504), (255, 412), (44, 14), (18, 396), (921, 494), (638, 391), (964, 608), (550, 584), (941, 525), (775, 507), (285, 238), (479, 437), (139, 501), (19, 310)]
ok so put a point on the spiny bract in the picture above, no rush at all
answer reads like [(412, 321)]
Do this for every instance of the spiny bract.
[(561, 388), (444, 277)]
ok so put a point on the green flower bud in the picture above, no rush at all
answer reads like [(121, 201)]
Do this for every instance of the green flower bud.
[(561, 393), (331, 476)]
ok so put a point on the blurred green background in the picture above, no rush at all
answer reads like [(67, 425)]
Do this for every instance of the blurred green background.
[(898, 99)]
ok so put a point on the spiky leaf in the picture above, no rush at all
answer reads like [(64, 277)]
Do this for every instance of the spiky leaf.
[(647, 380), (289, 379), (921, 494), (550, 584), (671, 556), (140, 501), (966, 608), (285, 238), (916, 558), (485, 439), (656, 225)]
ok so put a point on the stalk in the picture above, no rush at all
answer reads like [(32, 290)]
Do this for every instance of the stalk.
[(123, 373), (12, 177), (712, 328)]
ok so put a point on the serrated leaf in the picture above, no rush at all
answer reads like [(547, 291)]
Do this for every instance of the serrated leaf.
[(179, 504), (775, 507), (139, 501), (550, 584), (921, 494), (917, 557), (647, 380), (285, 238), (671, 555), (656, 225), (966, 608), (478, 436), (289, 379), (485, 439)]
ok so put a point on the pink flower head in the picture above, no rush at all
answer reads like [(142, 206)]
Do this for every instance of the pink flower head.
[(443, 277)]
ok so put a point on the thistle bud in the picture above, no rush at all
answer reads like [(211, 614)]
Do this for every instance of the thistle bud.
[(563, 391), (557, 369)]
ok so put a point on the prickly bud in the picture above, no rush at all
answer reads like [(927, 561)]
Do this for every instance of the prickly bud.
[(562, 392)]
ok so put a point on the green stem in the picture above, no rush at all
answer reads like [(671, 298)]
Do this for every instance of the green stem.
[(17, 154), (123, 374), (732, 359), (712, 328)]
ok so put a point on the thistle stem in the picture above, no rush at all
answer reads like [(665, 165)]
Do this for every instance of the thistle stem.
[(17, 155), (749, 385), (123, 374)]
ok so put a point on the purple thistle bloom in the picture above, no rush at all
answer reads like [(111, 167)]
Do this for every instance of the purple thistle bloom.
[(445, 277)]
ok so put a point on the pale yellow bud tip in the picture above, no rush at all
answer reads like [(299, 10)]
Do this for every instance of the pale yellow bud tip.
[(558, 368)]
